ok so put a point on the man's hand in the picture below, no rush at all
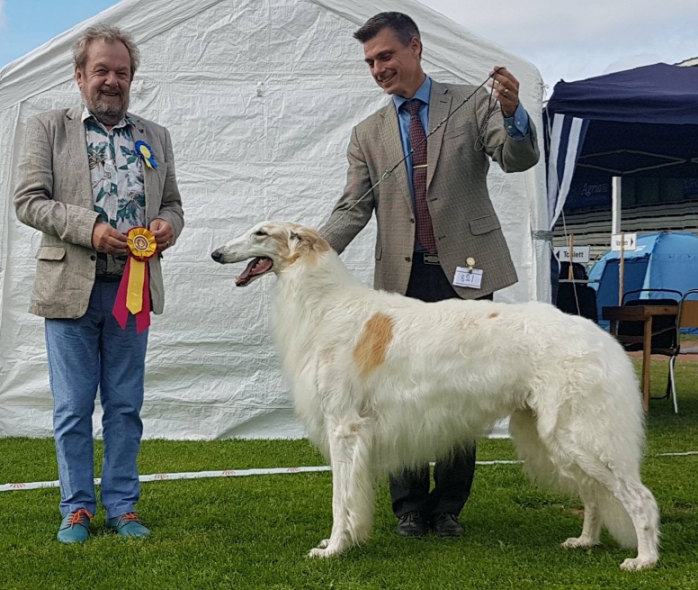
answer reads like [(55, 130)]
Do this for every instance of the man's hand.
[(163, 232), (108, 240), (506, 90)]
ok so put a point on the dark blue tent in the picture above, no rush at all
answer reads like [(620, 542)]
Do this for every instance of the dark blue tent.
[(639, 122)]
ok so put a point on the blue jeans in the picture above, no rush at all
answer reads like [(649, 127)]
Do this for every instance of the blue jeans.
[(84, 354)]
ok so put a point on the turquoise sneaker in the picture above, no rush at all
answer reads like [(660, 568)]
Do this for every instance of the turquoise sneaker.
[(128, 525), (75, 527)]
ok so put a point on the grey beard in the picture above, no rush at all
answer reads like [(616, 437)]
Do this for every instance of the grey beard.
[(106, 115)]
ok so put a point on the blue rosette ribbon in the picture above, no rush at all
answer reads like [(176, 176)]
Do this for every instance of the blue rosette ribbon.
[(145, 152)]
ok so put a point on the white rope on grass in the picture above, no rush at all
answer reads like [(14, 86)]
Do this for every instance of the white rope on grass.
[(172, 476), (13, 487)]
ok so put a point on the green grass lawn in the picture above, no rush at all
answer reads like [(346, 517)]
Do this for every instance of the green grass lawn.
[(254, 532)]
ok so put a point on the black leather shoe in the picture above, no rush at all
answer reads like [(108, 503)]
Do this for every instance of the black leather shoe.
[(412, 524), (446, 524)]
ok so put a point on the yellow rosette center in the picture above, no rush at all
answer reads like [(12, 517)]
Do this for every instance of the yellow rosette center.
[(145, 152), (141, 242)]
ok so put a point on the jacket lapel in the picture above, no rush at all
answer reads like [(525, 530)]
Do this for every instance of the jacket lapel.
[(439, 108), (77, 146), (390, 136), (138, 132)]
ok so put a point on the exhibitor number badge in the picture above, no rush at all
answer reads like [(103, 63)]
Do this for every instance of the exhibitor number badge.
[(468, 277)]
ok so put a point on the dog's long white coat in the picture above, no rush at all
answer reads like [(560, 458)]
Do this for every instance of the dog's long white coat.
[(449, 371)]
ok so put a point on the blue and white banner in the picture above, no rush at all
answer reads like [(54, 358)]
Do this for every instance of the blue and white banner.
[(566, 137)]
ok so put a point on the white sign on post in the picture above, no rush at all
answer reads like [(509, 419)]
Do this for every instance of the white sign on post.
[(581, 253), (630, 242)]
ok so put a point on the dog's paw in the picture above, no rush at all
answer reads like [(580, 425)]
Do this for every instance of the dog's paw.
[(320, 553), (327, 549), (579, 542), (638, 563)]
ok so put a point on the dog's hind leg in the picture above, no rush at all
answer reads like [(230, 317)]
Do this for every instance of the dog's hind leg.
[(538, 463), (637, 501), (640, 504), (352, 486), (591, 529), (535, 455)]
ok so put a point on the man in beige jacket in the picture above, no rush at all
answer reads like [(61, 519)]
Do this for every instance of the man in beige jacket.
[(84, 182), (434, 213)]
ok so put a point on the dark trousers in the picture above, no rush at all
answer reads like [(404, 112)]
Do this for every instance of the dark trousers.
[(453, 476)]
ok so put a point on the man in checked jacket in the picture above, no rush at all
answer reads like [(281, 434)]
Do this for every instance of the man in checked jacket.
[(433, 214)]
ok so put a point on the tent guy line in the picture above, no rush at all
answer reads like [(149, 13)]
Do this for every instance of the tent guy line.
[(14, 487)]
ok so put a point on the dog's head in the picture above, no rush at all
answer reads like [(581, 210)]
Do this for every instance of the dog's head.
[(272, 246)]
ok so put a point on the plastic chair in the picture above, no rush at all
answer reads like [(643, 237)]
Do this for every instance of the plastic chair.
[(687, 318)]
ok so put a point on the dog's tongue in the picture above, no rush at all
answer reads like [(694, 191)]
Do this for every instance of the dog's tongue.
[(257, 266)]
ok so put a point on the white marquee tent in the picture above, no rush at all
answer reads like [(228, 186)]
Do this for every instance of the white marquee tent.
[(260, 98)]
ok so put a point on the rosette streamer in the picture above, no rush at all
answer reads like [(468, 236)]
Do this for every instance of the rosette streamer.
[(134, 290)]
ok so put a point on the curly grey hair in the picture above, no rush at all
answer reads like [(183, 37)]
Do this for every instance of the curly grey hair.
[(108, 34)]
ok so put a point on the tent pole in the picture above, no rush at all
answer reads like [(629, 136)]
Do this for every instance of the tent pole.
[(615, 229), (621, 272), (615, 205)]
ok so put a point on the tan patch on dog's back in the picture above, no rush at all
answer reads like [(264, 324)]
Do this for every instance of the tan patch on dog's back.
[(370, 350), (493, 315)]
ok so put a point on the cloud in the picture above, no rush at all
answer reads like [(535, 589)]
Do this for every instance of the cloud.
[(512, 23), (2, 14), (574, 40)]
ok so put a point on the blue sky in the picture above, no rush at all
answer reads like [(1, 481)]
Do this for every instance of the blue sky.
[(564, 38), (27, 24)]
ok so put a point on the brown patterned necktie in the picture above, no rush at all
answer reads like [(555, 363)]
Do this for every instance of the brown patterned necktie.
[(418, 143)]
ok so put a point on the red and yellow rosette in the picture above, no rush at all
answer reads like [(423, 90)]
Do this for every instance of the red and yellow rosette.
[(134, 290)]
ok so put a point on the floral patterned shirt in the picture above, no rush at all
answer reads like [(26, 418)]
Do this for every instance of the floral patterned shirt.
[(118, 186)]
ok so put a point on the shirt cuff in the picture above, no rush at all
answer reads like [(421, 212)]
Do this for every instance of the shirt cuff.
[(517, 126)]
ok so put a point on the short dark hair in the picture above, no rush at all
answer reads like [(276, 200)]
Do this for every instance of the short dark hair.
[(403, 26)]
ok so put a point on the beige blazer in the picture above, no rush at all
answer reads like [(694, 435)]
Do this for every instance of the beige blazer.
[(54, 195), (465, 223)]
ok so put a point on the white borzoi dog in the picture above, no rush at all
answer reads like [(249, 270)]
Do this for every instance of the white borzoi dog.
[(382, 381)]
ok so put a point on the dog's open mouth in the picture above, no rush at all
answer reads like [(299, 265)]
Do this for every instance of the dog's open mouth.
[(257, 267)]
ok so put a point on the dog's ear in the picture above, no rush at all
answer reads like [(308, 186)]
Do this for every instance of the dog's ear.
[(304, 239)]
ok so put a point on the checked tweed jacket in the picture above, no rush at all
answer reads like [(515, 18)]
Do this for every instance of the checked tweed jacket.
[(54, 195), (464, 220)]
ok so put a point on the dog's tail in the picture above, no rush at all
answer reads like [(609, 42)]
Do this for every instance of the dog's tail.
[(615, 518)]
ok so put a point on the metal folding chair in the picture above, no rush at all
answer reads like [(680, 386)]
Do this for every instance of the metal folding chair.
[(664, 329)]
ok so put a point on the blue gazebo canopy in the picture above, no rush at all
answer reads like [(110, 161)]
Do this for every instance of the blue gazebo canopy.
[(639, 122), (657, 94)]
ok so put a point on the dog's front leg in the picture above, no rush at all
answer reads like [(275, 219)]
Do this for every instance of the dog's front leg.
[(340, 460), (352, 487)]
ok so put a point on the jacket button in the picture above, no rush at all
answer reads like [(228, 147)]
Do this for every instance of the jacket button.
[(408, 259), (411, 220), (93, 257)]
